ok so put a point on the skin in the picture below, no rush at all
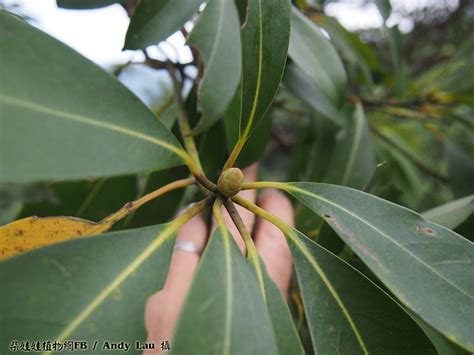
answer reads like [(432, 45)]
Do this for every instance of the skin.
[(162, 308)]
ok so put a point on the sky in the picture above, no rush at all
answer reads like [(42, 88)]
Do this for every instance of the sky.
[(99, 34)]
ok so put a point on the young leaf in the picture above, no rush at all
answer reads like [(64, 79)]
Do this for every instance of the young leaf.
[(35, 232), (65, 118), (316, 56), (92, 289), (346, 312), (153, 21), (427, 266), (217, 36), (265, 39), (451, 214), (224, 312)]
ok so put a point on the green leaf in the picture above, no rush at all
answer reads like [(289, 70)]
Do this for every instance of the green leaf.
[(91, 289), (255, 147), (265, 39), (443, 345), (316, 57), (460, 170), (224, 312), (352, 49), (353, 159), (10, 204), (451, 214), (212, 150), (153, 21), (65, 118), (92, 200), (426, 266), (164, 207), (346, 312), (311, 94), (86, 4), (286, 335), (216, 35)]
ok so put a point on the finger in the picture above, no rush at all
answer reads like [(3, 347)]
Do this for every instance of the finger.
[(162, 308), (271, 243), (250, 174)]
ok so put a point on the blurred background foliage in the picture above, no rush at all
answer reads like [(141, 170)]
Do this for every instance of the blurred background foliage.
[(404, 130)]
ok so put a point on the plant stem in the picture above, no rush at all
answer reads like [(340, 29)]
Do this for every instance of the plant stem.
[(192, 211), (252, 254), (132, 206), (264, 185), (234, 154), (280, 224), (194, 164)]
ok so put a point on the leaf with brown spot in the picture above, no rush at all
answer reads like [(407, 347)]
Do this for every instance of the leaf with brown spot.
[(35, 232), (426, 266)]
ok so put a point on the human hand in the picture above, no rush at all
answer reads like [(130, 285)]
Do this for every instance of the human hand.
[(163, 308)]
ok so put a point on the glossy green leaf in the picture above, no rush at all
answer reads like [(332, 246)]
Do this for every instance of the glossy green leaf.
[(216, 35), (153, 21), (352, 160), (346, 312), (224, 312), (91, 289), (426, 266), (286, 335), (86, 4), (316, 56), (255, 146), (70, 120), (451, 214), (265, 39)]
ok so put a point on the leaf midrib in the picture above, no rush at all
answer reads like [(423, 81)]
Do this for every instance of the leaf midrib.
[(229, 289), (293, 236), (9, 100), (159, 240), (296, 189), (259, 75)]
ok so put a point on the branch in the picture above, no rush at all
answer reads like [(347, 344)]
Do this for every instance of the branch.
[(132, 206), (186, 133)]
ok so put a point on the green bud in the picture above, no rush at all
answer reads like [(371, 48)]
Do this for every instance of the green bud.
[(230, 182)]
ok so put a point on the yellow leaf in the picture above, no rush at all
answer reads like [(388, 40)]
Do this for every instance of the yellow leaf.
[(35, 232)]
